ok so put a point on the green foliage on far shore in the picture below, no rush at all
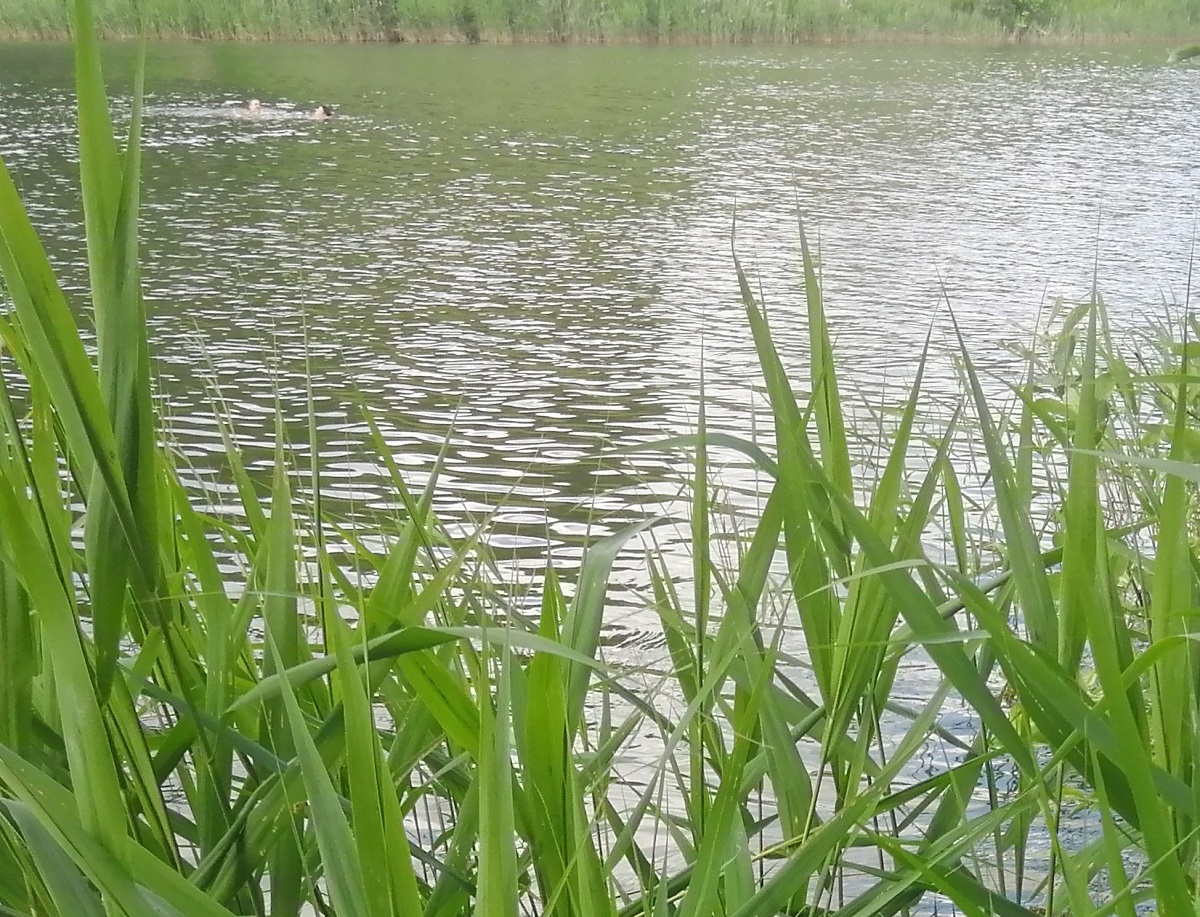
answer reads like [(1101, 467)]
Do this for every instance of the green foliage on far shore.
[(614, 20)]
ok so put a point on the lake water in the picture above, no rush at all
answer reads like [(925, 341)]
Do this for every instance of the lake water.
[(527, 250)]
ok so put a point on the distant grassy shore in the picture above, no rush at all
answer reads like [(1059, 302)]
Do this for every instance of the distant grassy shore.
[(668, 21)]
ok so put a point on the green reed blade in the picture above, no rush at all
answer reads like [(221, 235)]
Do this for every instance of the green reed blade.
[(419, 511), (1147, 793), (956, 883), (548, 772), (389, 884), (497, 892), (395, 643), (276, 571), (447, 697), (248, 499), (18, 662), (679, 635), (1114, 844), (391, 598), (565, 858), (339, 854), (279, 585), (454, 886), (831, 425), (869, 616), (721, 841), (1172, 684), (110, 198), (901, 892), (1051, 697), (1081, 524), (581, 626), (111, 871), (1037, 602), (93, 769), (214, 774), (99, 168), (20, 885), (809, 558), (790, 779), (697, 795), (142, 783), (805, 862), (923, 617), (66, 884), (57, 356)]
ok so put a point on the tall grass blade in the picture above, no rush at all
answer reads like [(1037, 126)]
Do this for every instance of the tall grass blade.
[(564, 856), (806, 509), (722, 841), (339, 853), (831, 425), (497, 894), (110, 202), (276, 570), (1082, 522), (389, 882), (581, 627), (110, 871), (90, 758), (1173, 682), (1037, 602), (66, 885)]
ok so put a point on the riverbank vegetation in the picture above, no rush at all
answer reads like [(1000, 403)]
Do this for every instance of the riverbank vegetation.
[(617, 20), (287, 716)]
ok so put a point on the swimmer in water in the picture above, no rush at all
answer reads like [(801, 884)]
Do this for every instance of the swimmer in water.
[(251, 109), (321, 113)]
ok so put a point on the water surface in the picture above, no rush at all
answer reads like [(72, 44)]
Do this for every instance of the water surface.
[(528, 250)]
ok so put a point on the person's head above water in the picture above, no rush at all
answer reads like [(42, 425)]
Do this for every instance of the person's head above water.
[(321, 113), (254, 105)]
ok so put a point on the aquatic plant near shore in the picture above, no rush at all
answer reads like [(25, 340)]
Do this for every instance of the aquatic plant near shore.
[(403, 741)]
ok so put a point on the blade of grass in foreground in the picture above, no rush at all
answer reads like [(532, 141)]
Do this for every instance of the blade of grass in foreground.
[(497, 895), (339, 854), (722, 839), (803, 514), (1172, 612), (18, 651), (110, 871), (831, 425), (66, 884), (870, 615), (1037, 602), (564, 857), (581, 628), (697, 792), (1082, 512), (389, 882), (110, 204), (89, 755), (840, 830), (928, 626), (276, 569)]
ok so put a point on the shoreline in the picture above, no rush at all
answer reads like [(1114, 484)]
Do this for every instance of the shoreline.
[(450, 36)]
